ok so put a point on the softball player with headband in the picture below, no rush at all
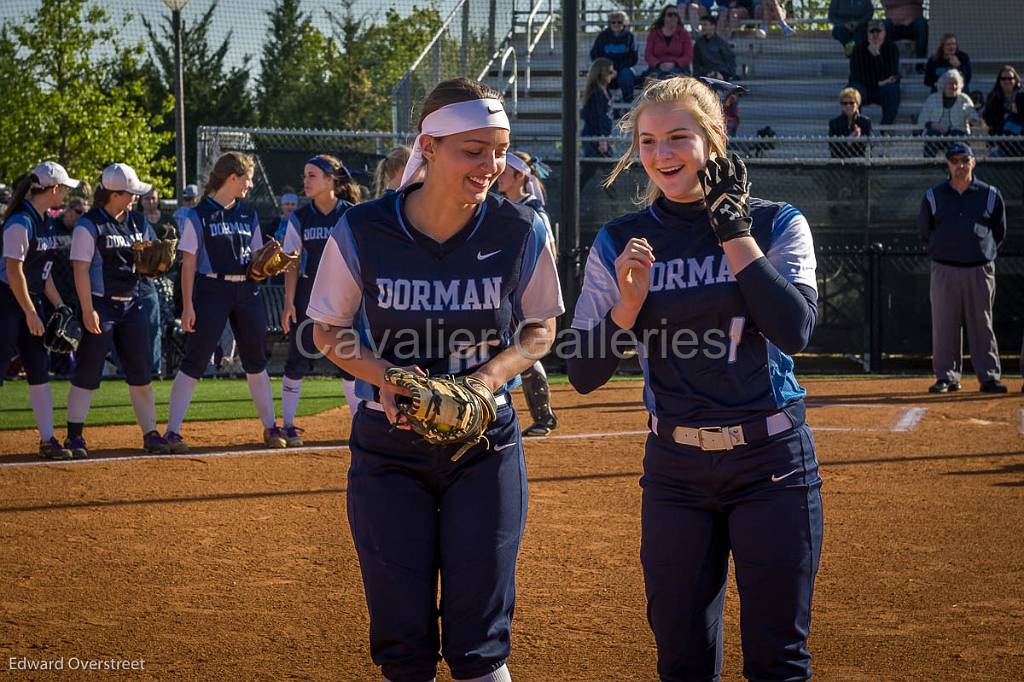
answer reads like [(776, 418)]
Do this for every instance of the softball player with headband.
[(324, 178), (218, 237), (109, 295), (521, 185), (442, 253), (30, 243), (720, 290)]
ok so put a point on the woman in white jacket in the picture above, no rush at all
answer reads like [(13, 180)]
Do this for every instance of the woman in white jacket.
[(947, 111)]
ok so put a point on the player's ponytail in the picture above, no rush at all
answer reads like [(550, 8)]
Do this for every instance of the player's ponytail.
[(22, 188), (230, 163), (390, 166), (699, 100)]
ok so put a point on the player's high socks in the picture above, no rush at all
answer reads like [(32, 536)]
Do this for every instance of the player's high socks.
[(42, 409)]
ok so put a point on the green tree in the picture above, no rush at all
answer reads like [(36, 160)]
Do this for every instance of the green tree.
[(65, 99), (306, 80), (214, 94)]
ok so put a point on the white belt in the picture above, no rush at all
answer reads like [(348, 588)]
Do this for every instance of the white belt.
[(121, 299), (718, 438), (227, 278), (501, 400)]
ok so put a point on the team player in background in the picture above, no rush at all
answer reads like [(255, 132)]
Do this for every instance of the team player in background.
[(331, 191), (29, 246), (217, 240), (389, 171), (522, 183), (720, 290), (439, 254), (110, 294)]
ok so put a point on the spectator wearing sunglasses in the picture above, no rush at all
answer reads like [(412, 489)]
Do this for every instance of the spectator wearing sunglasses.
[(849, 123), (874, 72), (617, 44), (669, 49), (1004, 111)]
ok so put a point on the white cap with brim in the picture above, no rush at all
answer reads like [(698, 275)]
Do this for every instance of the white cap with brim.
[(51, 174), (120, 177)]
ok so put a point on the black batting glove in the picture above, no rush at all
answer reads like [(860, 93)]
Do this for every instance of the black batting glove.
[(727, 195)]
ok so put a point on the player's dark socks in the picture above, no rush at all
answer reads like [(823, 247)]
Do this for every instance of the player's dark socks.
[(75, 430)]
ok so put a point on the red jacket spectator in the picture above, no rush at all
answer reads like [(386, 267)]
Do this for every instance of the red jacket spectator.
[(677, 49)]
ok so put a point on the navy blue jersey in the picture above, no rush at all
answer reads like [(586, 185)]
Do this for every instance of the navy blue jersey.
[(703, 358), (106, 244), (445, 307), (32, 239), (222, 239), (308, 230)]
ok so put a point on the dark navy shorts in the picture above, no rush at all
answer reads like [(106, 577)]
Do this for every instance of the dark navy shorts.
[(219, 302), (126, 325), (15, 339)]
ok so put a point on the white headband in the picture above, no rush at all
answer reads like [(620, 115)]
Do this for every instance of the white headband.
[(532, 181), (450, 120)]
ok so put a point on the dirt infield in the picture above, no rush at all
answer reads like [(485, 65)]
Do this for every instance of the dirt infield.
[(241, 566)]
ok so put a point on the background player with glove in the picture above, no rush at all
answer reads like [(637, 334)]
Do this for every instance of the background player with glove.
[(435, 278), (331, 192), (521, 183), (222, 261), (103, 257), (730, 464), (28, 249)]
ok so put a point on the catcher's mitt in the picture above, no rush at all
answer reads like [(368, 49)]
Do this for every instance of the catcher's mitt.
[(63, 331), (445, 410), (154, 258), (270, 260)]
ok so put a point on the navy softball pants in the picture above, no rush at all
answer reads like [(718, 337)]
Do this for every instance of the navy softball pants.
[(218, 302), (762, 502), (15, 338), (415, 514), (126, 325), (302, 352)]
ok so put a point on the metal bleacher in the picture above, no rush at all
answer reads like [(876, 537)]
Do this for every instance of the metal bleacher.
[(793, 84)]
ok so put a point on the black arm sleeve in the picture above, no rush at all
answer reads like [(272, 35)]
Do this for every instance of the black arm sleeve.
[(784, 312), (596, 357)]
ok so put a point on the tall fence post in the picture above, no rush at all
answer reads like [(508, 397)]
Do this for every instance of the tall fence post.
[(464, 50), (874, 363), (436, 54), (492, 19), (569, 223)]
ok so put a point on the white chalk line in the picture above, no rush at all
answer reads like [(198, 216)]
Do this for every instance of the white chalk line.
[(907, 422)]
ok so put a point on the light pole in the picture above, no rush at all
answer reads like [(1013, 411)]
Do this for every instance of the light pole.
[(179, 99)]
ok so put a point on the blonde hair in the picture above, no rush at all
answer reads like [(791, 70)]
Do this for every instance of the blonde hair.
[(697, 99), (389, 166), (852, 93)]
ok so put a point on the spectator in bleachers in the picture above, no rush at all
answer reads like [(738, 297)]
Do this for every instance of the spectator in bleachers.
[(730, 16), (947, 56), (669, 49), (963, 222), (850, 123), (948, 112), (597, 115), (772, 10), (289, 202), (849, 19), (618, 44), (1004, 111), (691, 12), (64, 226), (875, 72), (711, 53), (904, 20)]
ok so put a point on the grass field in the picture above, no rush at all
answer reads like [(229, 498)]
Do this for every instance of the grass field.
[(215, 399)]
